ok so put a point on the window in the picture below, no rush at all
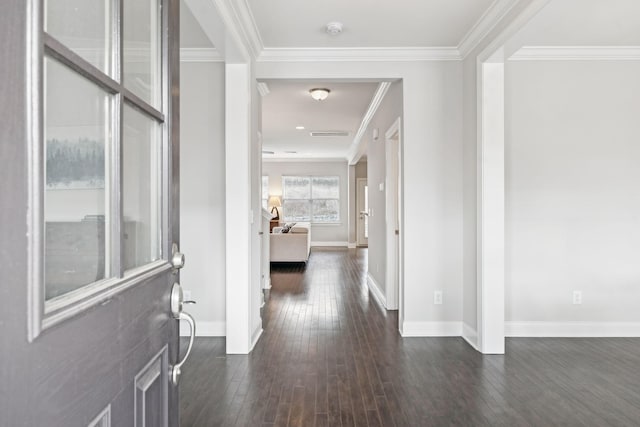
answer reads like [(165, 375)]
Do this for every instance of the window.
[(265, 191), (103, 126), (311, 198)]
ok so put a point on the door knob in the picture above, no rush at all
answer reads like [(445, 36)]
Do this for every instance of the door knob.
[(177, 302), (176, 369), (177, 258)]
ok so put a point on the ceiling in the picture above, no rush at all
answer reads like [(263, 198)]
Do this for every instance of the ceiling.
[(405, 23), (385, 24), (191, 33), (584, 23), (289, 104)]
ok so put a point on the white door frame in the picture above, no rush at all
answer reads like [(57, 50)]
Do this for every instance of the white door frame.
[(361, 240), (393, 216), (490, 259), (490, 205)]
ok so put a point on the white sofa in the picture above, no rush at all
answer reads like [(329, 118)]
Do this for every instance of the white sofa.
[(293, 246)]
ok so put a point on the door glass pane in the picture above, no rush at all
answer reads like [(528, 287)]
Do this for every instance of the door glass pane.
[(85, 27), (142, 49), (141, 186), (325, 211), (77, 136)]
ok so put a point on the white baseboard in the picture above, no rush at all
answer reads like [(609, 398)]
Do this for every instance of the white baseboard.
[(205, 329), (431, 329), (256, 336), (470, 335), (572, 329), (374, 287), (352, 245), (324, 244)]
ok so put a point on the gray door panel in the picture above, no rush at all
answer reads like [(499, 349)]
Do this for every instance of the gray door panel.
[(87, 370)]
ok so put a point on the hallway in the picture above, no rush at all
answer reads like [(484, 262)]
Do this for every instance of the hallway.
[(329, 356)]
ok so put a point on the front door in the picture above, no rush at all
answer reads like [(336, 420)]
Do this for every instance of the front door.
[(88, 212)]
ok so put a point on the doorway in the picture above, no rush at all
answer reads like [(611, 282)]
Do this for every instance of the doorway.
[(362, 206), (393, 205)]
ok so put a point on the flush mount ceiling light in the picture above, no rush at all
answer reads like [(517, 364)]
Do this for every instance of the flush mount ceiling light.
[(334, 28), (319, 94)]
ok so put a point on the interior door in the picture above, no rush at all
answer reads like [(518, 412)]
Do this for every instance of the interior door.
[(89, 218), (362, 205)]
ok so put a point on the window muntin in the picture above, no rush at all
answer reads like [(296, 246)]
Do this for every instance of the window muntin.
[(311, 198), (98, 213)]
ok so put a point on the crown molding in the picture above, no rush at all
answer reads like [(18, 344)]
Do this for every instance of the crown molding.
[(483, 26), (263, 89), (200, 54), (249, 26), (354, 153), (577, 53), (358, 54), (235, 28)]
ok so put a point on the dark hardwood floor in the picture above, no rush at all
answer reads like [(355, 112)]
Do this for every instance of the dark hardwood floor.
[(330, 356)]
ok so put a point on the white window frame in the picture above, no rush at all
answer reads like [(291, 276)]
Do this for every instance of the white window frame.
[(45, 314), (311, 199)]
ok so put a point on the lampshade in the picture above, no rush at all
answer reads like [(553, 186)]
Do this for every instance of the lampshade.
[(274, 202), (319, 94)]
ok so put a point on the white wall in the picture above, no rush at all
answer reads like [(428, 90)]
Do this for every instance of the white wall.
[(202, 192), (572, 191), (432, 156), (320, 233), (388, 112)]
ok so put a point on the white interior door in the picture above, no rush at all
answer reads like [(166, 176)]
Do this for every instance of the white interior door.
[(393, 216), (362, 206)]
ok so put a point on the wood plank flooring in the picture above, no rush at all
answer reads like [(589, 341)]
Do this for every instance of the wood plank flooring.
[(329, 356)]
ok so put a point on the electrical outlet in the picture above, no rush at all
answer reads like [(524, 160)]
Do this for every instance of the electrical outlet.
[(577, 297), (437, 297), (186, 295)]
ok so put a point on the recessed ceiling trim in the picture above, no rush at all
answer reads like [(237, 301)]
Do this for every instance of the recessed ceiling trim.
[(483, 26), (359, 54), (328, 133), (577, 53), (303, 159), (200, 54)]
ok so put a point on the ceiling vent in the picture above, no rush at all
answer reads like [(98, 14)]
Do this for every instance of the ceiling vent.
[(329, 133)]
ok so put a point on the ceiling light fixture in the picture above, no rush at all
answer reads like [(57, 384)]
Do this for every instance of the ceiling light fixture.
[(319, 94), (334, 28)]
